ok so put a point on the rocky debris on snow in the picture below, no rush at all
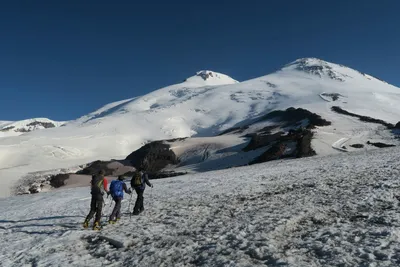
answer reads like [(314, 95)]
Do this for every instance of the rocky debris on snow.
[(357, 145), (379, 144), (205, 74), (317, 67), (154, 156), (362, 118), (41, 123), (26, 126), (6, 129), (332, 96), (35, 188)]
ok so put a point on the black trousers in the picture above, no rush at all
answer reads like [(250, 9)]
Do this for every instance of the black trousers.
[(96, 207), (139, 201), (116, 213)]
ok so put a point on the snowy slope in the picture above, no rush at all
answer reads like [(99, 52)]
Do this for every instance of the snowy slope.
[(204, 105), (337, 210)]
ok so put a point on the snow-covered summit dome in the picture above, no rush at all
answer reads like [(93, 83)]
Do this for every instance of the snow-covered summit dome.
[(208, 77)]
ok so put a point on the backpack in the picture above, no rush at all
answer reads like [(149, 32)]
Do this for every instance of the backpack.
[(137, 180), (116, 189), (97, 185)]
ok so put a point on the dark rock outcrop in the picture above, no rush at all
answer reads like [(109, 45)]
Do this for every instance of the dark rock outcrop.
[(260, 140), (302, 139), (357, 145), (362, 118), (273, 153), (397, 126), (293, 115), (379, 144), (303, 147), (58, 180), (153, 156)]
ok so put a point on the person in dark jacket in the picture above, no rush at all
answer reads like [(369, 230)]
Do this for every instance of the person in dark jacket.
[(138, 182), (117, 189), (98, 187)]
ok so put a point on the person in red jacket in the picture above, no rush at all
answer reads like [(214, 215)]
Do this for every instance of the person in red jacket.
[(99, 185)]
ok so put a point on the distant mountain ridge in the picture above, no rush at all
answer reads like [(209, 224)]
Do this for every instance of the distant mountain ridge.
[(24, 126)]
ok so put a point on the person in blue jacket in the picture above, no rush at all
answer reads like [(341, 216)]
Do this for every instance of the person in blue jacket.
[(117, 188)]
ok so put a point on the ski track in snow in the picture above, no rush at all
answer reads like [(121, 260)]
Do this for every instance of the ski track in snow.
[(337, 210)]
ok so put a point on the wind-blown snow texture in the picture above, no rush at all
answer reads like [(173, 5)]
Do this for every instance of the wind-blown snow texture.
[(205, 105), (337, 210)]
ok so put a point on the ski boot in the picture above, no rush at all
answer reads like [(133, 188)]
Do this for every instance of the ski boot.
[(85, 224), (112, 221), (97, 226)]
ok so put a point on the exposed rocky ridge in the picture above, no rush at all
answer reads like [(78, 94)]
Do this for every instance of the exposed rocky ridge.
[(292, 115), (362, 118), (379, 144)]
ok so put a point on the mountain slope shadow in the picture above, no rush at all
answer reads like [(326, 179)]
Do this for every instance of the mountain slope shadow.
[(109, 111)]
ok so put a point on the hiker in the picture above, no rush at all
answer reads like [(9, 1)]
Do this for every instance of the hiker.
[(138, 182), (98, 187), (117, 188)]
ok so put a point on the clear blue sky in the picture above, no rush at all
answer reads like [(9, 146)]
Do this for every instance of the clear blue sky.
[(62, 59)]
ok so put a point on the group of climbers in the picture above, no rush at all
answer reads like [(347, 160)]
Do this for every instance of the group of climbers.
[(99, 187)]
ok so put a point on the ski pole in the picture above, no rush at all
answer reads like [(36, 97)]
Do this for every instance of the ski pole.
[(130, 200), (109, 207)]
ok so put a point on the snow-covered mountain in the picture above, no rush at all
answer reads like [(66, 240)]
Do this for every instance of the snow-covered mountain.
[(205, 105), (9, 128)]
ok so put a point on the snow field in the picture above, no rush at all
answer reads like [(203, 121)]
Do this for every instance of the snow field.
[(337, 210)]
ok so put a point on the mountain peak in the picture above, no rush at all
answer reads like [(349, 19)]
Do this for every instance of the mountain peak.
[(208, 77), (321, 68), (309, 61)]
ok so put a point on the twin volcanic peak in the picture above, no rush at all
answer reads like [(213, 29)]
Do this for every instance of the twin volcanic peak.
[(203, 107)]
